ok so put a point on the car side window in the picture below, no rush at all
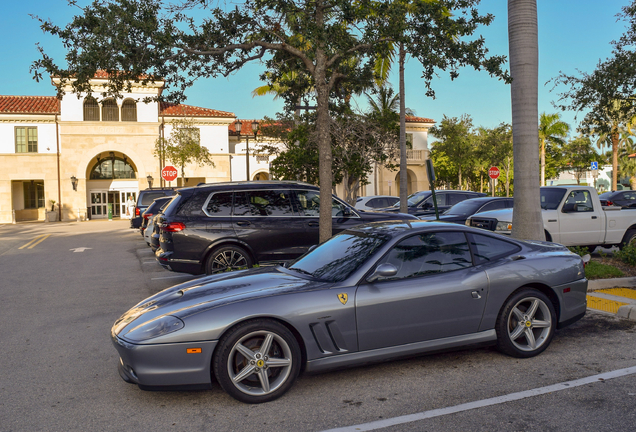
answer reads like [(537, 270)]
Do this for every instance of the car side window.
[(263, 203), (219, 204), (194, 206), (456, 198), (440, 197), (429, 253), (630, 196), (309, 202), (493, 205), (578, 201), (488, 249)]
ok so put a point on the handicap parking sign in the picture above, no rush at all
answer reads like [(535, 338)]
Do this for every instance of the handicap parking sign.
[(594, 165)]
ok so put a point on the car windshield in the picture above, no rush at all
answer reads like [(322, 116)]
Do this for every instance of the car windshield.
[(415, 199), (551, 198), (338, 257), (464, 208)]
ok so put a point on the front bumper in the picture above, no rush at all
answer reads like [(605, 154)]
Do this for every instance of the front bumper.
[(162, 365)]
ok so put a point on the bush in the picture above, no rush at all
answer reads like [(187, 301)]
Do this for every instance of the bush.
[(627, 255), (579, 250), (595, 270)]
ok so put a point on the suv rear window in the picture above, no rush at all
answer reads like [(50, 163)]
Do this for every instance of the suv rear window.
[(148, 197)]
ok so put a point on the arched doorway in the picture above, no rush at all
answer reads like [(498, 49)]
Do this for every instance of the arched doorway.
[(263, 175), (111, 181), (411, 182)]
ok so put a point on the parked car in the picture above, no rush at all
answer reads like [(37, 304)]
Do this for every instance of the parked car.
[(461, 211), (145, 198), (374, 292), (421, 203), (624, 198), (572, 216), (371, 203), (214, 227), (153, 209)]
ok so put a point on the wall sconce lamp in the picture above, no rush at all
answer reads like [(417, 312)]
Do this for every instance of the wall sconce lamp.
[(74, 182), (150, 179)]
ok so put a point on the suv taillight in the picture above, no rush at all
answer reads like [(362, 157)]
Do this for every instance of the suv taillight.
[(136, 211), (610, 203), (147, 216), (173, 226)]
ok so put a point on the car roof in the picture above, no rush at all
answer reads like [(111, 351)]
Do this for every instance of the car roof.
[(257, 184)]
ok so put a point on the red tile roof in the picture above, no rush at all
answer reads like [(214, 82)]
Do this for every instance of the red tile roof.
[(246, 127), (178, 110), (29, 105), (413, 119)]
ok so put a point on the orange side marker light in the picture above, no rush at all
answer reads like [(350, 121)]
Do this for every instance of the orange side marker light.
[(193, 350)]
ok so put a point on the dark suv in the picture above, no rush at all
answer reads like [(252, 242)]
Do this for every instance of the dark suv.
[(214, 227), (421, 203), (145, 198)]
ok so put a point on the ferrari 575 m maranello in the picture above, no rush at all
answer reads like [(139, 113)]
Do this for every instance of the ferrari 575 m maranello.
[(371, 293)]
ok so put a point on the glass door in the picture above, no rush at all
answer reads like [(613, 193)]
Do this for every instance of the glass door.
[(99, 208), (128, 201)]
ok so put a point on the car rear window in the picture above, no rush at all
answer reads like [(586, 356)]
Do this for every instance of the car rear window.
[(148, 197)]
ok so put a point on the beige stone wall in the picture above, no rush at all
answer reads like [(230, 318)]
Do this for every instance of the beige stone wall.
[(25, 167)]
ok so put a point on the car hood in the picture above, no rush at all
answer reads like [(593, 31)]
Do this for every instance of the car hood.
[(214, 291), (504, 215)]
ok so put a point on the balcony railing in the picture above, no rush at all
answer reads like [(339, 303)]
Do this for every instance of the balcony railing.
[(415, 155)]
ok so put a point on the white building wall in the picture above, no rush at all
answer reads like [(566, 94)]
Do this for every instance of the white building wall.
[(46, 136), (73, 108)]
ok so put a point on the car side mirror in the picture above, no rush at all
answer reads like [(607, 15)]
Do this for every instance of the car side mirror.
[(346, 211), (427, 205), (383, 270)]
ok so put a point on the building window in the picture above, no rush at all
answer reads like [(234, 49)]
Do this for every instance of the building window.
[(111, 169), (409, 141), (110, 110), (129, 110), (33, 194), (26, 139), (91, 109)]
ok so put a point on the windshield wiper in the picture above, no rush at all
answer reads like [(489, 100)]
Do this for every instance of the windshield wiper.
[(299, 270)]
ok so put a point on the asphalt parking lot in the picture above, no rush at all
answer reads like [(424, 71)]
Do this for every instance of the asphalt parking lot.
[(64, 284)]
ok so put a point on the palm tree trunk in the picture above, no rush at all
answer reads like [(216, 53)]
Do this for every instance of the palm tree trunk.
[(542, 162), (524, 69), (615, 157), (403, 167)]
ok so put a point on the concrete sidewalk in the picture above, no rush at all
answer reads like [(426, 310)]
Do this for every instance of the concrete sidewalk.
[(613, 296)]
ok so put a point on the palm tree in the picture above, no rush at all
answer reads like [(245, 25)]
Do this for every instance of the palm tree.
[(628, 157), (551, 130), (524, 69)]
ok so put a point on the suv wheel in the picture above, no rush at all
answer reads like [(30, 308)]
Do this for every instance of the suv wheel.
[(226, 258)]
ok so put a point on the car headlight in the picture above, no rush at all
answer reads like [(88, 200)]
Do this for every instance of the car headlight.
[(160, 326), (503, 227)]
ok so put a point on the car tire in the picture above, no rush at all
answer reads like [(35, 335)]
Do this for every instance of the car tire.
[(526, 324), (228, 258), (253, 374), (628, 239)]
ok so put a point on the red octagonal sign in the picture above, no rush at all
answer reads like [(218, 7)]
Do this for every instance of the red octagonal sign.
[(169, 173), (493, 172)]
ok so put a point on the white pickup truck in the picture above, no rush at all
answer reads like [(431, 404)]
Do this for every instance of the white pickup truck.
[(572, 216)]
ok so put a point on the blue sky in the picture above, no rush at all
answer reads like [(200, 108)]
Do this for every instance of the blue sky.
[(573, 34)]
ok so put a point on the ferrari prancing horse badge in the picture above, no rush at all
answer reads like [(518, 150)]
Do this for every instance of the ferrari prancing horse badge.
[(343, 298)]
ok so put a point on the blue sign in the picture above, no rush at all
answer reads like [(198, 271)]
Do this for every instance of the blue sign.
[(594, 165)]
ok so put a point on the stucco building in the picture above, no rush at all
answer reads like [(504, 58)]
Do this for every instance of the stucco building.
[(79, 154)]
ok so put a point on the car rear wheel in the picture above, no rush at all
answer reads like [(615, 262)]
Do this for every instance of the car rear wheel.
[(228, 258), (628, 239), (257, 361), (526, 324)]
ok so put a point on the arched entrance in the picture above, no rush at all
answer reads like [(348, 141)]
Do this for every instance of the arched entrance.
[(263, 175), (111, 181), (411, 182)]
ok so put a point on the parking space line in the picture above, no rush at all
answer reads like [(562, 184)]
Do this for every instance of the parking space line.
[(485, 402), (35, 241)]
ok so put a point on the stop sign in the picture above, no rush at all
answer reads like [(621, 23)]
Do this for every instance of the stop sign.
[(169, 173), (493, 172)]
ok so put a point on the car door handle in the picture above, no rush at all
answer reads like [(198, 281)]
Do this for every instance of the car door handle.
[(313, 224), (243, 223), (593, 217), (475, 295)]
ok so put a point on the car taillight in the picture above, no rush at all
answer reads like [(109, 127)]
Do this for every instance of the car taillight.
[(147, 215), (609, 203), (173, 226), (136, 211)]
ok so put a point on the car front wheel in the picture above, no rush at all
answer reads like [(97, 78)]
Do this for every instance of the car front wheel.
[(257, 361), (526, 324)]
